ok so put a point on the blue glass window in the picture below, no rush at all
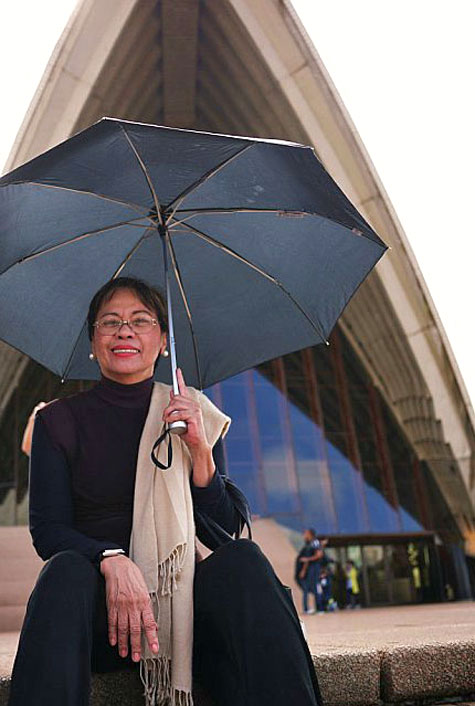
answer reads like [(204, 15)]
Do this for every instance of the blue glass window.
[(344, 482), (233, 397), (311, 467), (276, 452)]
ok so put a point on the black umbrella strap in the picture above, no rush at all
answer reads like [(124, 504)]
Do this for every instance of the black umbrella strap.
[(161, 438)]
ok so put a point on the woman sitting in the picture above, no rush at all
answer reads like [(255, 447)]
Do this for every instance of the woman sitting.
[(117, 526)]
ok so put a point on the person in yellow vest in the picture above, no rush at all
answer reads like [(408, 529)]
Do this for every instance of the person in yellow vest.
[(352, 585)]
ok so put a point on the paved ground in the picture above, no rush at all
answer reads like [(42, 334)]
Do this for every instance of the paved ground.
[(379, 628)]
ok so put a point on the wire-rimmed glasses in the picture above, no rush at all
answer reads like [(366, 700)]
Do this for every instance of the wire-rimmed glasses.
[(110, 325)]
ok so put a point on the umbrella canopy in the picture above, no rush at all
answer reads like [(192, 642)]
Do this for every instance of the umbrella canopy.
[(265, 249)]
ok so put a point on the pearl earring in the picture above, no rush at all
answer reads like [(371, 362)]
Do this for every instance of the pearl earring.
[(165, 353), (91, 356)]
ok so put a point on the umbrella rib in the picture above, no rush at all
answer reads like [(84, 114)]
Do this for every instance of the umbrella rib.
[(284, 212), (72, 240), (187, 308), (96, 195), (145, 172), (219, 211), (129, 255), (316, 326), (68, 363), (175, 204)]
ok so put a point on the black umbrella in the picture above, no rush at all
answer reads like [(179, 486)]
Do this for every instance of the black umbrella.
[(265, 250)]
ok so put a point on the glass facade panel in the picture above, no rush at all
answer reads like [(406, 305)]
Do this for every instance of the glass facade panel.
[(383, 517), (308, 444), (402, 459), (440, 517), (403, 576), (382, 511), (233, 396), (377, 574), (276, 453), (331, 407), (344, 485)]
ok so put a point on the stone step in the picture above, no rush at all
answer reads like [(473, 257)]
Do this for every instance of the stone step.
[(11, 538), (122, 688), (433, 670), (20, 568), (14, 593), (11, 618), (425, 673)]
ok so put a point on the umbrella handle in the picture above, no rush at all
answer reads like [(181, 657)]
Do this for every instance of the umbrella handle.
[(178, 427)]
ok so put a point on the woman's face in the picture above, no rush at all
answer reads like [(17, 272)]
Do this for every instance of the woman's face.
[(136, 362)]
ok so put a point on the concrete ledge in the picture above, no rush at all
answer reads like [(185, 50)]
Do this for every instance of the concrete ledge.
[(116, 689), (4, 690), (428, 671), (122, 688), (349, 677)]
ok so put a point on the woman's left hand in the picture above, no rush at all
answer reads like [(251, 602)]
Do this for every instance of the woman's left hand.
[(184, 407)]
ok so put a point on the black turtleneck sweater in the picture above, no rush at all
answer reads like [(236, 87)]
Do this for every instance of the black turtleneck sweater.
[(82, 471)]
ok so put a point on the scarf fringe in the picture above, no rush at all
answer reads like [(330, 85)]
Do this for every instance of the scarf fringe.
[(155, 675), (169, 569), (155, 603)]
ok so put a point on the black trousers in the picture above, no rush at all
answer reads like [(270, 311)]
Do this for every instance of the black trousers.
[(249, 649)]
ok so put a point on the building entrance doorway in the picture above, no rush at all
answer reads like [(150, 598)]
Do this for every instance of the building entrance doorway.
[(395, 573)]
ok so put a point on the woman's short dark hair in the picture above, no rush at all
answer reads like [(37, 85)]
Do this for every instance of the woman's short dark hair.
[(150, 296)]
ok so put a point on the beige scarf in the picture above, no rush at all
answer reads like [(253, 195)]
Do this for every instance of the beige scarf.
[(163, 547)]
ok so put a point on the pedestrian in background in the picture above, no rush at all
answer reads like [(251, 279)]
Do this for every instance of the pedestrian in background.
[(352, 584), (307, 569), (325, 600)]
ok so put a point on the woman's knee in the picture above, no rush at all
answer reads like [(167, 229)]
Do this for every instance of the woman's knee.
[(244, 557), (68, 570), (63, 599), (240, 547)]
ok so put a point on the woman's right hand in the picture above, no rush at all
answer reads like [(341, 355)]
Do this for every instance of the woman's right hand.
[(129, 609)]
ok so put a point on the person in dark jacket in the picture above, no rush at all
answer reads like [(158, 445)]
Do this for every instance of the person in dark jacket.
[(307, 569), (90, 606)]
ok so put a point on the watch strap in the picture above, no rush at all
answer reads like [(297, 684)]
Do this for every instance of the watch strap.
[(105, 553)]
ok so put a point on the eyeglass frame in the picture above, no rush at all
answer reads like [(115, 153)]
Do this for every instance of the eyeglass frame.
[(97, 325)]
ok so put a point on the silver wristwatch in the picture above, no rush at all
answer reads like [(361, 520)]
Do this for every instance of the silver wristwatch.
[(110, 552)]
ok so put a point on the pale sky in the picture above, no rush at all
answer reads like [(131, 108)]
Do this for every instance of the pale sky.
[(404, 69)]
